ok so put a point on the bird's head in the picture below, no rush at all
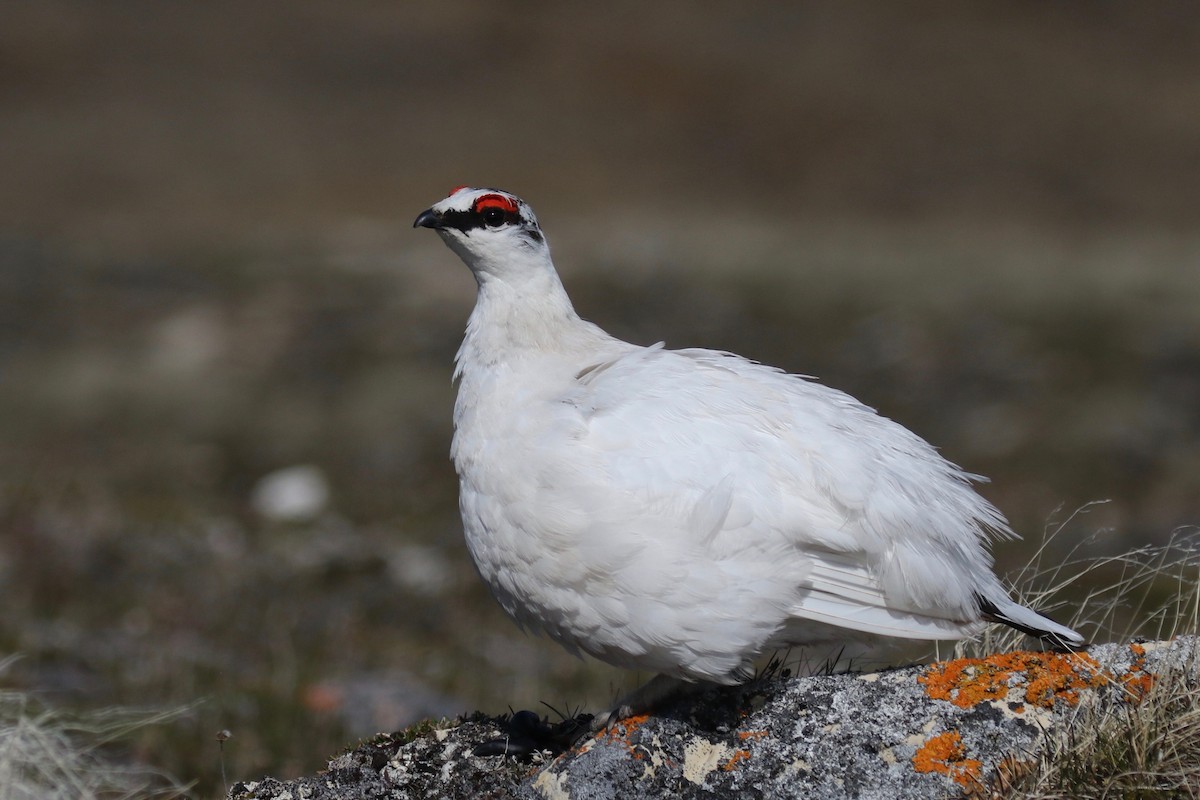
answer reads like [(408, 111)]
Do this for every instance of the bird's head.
[(493, 231)]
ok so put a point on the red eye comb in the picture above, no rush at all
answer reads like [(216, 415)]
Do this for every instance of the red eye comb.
[(496, 201)]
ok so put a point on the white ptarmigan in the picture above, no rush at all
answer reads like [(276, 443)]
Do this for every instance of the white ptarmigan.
[(684, 511)]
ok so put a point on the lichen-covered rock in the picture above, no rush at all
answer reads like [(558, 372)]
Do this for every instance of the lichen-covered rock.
[(934, 731)]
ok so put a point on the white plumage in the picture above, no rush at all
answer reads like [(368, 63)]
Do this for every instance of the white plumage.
[(684, 511)]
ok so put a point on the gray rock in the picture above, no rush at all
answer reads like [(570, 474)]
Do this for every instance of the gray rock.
[(934, 731)]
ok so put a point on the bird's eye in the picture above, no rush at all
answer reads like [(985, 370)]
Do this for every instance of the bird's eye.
[(495, 209)]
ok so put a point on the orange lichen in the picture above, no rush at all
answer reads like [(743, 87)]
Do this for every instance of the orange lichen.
[(1137, 685), (1137, 681), (1047, 677), (964, 682), (1059, 676), (944, 754), (627, 726), (738, 755), (744, 735), (621, 731)]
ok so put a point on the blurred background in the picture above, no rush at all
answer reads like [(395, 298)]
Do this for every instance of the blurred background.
[(225, 356)]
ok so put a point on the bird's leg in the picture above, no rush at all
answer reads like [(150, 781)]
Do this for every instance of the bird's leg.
[(642, 700)]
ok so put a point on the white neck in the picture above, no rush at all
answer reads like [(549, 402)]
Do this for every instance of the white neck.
[(517, 311)]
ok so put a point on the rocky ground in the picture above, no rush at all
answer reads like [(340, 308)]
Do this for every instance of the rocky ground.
[(948, 729)]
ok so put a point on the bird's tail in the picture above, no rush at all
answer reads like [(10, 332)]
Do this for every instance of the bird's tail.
[(1028, 621)]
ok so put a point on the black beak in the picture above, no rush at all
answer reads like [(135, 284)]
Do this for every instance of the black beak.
[(428, 219)]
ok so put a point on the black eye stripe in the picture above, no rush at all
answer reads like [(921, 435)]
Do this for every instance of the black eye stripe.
[(469, 220)]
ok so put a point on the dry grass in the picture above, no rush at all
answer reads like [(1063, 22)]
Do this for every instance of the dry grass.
[(46, 754), (1130, 750), (1149, 592), (1146, 748)]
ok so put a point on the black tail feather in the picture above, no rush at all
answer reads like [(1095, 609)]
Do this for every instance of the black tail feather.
[(989, 611)]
